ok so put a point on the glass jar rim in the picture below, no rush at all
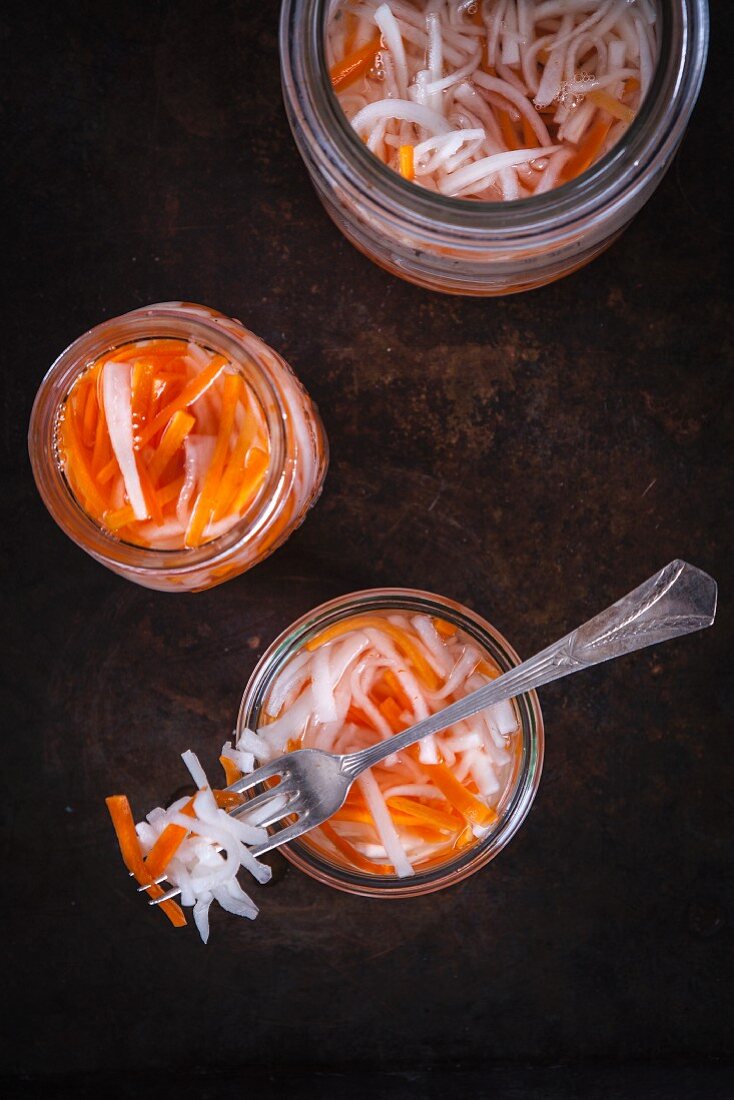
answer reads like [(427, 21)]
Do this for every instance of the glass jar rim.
[(517, 804), (613, 180), (172, 320)]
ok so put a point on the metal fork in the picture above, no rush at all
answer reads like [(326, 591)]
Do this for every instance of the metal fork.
[(678, 600)]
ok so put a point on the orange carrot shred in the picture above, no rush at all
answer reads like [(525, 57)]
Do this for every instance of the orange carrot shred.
[(460, 798), (354, 64), (407, 169), (190, 393), (127, 838)]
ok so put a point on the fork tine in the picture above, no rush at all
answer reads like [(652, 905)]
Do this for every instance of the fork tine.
[(267, 771), (283, 836)]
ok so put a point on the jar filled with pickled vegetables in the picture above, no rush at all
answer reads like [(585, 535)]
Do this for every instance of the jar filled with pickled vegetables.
[(487, 147), (363, 667), (175, 447)]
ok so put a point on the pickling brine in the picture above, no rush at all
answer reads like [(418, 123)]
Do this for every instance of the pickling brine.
[(491, 99), (176, 447), (163, 443), (370, 676)]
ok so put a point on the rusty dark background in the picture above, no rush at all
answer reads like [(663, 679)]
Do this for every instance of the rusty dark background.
[(534, 457)]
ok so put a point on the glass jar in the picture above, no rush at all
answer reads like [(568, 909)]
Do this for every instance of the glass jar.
[(517, 799), (463, 246), (293, 481)]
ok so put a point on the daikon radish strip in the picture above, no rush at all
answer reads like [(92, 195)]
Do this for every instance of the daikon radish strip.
[(475, 812), (150, 496), (355, 64), (489, 166), (401, 109), (191, 392), (494, 84), (422, 667), (407, 170), (175, 432), (207, 500), (118, 414), (385, 828), (124, 825), (385, 20)]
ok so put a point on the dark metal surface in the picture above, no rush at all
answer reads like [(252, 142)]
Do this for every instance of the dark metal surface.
[(148, 158)]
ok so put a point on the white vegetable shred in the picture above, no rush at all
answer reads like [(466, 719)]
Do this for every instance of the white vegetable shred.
[(365, 679), (491, 99)]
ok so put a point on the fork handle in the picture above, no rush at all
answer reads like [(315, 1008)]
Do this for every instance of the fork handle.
[(678, 600)]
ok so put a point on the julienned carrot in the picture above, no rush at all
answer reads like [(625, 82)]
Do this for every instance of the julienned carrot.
[(460, 798), (256, 466), (231, 772), (588, 150), (611, 105), (167, 347), (191, 392), (167, 844), (206, 500), (446, 630), (407, 168), (508, 130), (77, 465), (438, 818), (354, 64), (127, 838), (121, 517), (230, 481), (352, 855), (152, 501), (175, 432), (393, 714)]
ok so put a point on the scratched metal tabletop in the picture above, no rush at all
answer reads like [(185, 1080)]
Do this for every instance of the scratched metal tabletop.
[(534, 457)]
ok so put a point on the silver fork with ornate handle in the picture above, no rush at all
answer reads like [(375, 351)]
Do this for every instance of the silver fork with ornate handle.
[(314, 784)]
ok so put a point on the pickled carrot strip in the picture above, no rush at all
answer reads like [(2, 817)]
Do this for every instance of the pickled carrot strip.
[(460, 798), (354, 64), (355, 858), (91, 417), (231, 478), (611, 105), (175, 432), (358, 717), (588, 150), (121, 517), (488, 670), (206, 500), (420, 664), (227, 800), (190, 393), (395, 687), (108, 471), (255, 469), (132, 857), (167, 844), (392, 712), (231, 772), (529, 136), (407, 169), (409, 821), (438, 818), (446, 630), (167, 347), (508, 130), (78, 467), (102, 450)]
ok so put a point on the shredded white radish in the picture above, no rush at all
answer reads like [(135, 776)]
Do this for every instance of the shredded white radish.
[(116, 396), (520, 66), (359, 682)]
